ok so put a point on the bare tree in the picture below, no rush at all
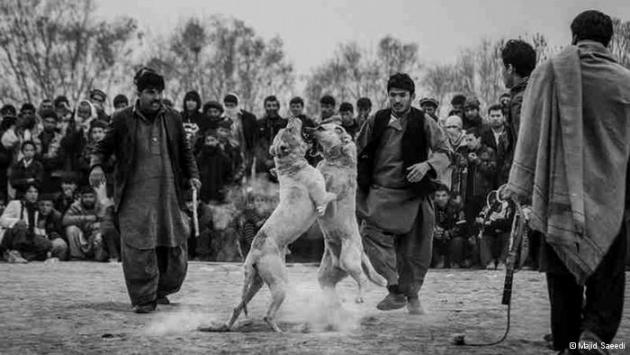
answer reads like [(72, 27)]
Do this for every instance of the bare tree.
[(620, 43), (58, 47)]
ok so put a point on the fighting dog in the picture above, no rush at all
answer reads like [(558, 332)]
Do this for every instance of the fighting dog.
[(343, 253), (303, 197)]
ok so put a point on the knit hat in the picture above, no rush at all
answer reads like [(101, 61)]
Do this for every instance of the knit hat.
[(212, 104), (121, 99), (225, 123), (428, 101), (48, 114), (96, 93), (147, 78), (97, 123), (472, 103), (230, 98)]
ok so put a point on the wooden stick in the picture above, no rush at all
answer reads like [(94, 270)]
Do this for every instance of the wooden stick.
[(194, 211)]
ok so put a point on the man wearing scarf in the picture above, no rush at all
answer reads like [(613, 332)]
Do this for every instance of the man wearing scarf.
[(571, 161), (154, 166)]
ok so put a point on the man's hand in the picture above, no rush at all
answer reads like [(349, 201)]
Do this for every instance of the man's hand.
[(416, 172), (506, 194), (195, 184), (97, 176)]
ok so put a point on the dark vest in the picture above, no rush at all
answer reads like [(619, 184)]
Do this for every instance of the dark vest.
[(415, 149)]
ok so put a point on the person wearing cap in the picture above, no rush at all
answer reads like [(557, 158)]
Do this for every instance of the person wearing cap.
[(120, 102), (244, 127), (327, 109), (97, 98), (364, 107), (472, 119), (401, 151), (429, 105), (346, 111), (154, 165), (213, 112)]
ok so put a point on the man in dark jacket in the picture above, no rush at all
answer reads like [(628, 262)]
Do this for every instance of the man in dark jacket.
[(499, 137), (154, 165), (244, 128), (268, 127), (519, 60)]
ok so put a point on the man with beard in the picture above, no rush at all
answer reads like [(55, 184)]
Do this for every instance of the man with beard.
[(268, 127), (244, 128), (519, 60), (429, 105), (153, 167), (83, 231), (472, 118), (400, 151), (215, 169), (571, 161), (97, 98)]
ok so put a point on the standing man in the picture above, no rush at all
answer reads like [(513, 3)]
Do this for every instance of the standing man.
[(364, 107), (154, 165), (97, 98), (400, 151), (327, 108), (429, 105), (244, 128), (571, 161), (519, 60)]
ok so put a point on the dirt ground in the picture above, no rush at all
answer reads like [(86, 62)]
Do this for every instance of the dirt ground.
[(76, 307)]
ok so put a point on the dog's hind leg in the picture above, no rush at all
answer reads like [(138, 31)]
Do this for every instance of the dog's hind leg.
[(350, 261), (252, 285), (274, 273)]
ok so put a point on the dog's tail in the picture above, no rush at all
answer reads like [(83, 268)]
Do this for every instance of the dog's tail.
[(370, 272), (249, 273)]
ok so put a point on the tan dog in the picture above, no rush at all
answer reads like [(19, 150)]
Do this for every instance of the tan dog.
[(343, 253), (303, 197)]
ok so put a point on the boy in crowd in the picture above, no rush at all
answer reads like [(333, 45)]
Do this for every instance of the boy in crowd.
[(49, 224), (215, 169), (346, 111), (232, 149), (448, 236), (21, 240), (27, 171), (498, 137)]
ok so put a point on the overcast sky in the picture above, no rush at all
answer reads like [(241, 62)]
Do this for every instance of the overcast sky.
[(312, 29)]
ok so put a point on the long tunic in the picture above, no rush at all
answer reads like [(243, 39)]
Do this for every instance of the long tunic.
[(150, 215)]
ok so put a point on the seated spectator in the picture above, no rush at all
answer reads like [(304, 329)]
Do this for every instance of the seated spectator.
[(27, 171), (346, 111), (50, 224), (493, 244), (107, 217), (68, 194), (83, 230), (21, 239), (215, 169), (449, 241)]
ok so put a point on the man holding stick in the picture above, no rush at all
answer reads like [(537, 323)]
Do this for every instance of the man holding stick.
[(154, 165), (571, 161)]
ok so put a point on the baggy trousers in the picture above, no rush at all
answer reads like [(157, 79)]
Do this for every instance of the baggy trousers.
[(602, 309), (402, 259), (153, 273)]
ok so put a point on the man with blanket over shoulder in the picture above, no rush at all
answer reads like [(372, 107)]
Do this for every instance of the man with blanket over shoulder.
[(571, 161)]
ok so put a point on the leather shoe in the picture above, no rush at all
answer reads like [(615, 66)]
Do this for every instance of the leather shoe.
[(145, 308), (392, 301)]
